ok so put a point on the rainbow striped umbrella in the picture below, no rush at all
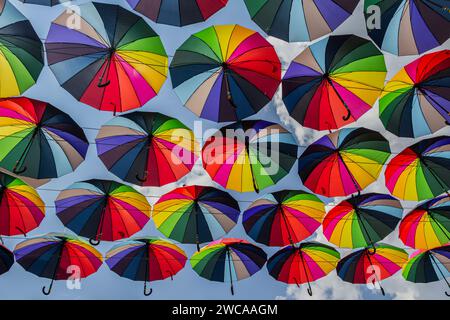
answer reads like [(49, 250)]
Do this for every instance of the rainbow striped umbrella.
[(6, 259)]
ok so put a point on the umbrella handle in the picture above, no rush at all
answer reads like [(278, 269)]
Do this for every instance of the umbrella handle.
[(232, 289), (372, 250), (349, 114), (46, 291), (19, 171), (382, 291), (102, 84), (147, 292), (447, 294), (94, 242), (198, 247), (142, 179)]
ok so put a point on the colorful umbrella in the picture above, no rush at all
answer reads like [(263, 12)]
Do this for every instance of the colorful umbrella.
[(343, 162), (334, 82), (106, 57), (147, 149), (6, 259), (284, 217), (102, 210), (407, 27), (146, 259), (54, 256), (228, 260), (225, 73), (48, 3), (428, 225), (421, 171), (196, 214), (250, 155), (39, 141), (177, 12), (416, 102)]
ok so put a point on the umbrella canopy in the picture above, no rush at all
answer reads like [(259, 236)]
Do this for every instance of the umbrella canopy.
[(38, 140), (416, 102), (421, 171), (225, 73), (334, 82), (284, 217), (343, 162), (408, 27), (146, 259), (196, 214), (249, 155), (48, 3), (102, 210), (147, 149), (111, 61), (6, 259)]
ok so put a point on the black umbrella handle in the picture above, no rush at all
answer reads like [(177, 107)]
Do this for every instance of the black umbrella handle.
[(147, 292), (46, 291), (142, 179)]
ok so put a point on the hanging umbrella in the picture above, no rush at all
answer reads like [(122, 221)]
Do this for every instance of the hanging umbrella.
[(284, 217), (6, 259), (343, 162), (249, 155), (416, 102), (146, 259), (334, 82), (177, 12), (196, 214), (102, 210), (421, 171), (48, 3), (408, 27), (428, 225), (228, 260), (38, 140), (364, 267), (304, 264), (54, 255), (225, 73), (111, 61)]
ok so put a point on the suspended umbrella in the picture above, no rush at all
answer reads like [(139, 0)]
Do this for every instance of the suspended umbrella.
[(6, 259), (416, 102), (112, 60), (147, 149), (408, 27), (38, 140), (421, 171), (53, 256), (306, 263), (228, 260), (249, 156), (146, 259), (334, 82), (48, 3), (225, 73), (102, 210), (196, 214), (284, 217), (343, 162)]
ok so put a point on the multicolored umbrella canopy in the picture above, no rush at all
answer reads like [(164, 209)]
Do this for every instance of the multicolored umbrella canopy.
[(196, 214), (334, 82), (428, 225), (146, 259), (49, 3), (38, 140), (421, 171), (147, 149), (112, 60), (6, 259), (102, 210), (178, 12), (284, 217), (225, 73), (54, 255), (362, 220), (343, 162), (300, 20), (249, 156), (228, 260), (22, 56), (416, 102), (407, 27)]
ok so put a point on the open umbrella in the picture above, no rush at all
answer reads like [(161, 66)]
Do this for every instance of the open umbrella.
[(416, 102), (334, 82), (146, 259), (6, 259), (225, 73), (343, 162), (196, 214), (147, 149), (102, 210), (284, 217), (111, 60), (249, 155)]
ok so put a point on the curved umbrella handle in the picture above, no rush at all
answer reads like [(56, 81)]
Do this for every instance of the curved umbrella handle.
[(309, 289), (347, 117), (142, 179), (149, 292), (102, 84), (372, 250), (447, 294), (46, 291), (94, 242), (19, 171)]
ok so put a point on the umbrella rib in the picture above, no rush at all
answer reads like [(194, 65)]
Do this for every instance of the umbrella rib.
[(439, 226)]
